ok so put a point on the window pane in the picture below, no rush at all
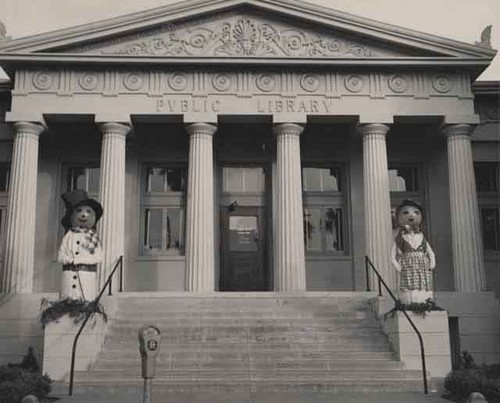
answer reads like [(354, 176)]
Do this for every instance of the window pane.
[(487, 177), (312, 229), (491, 228), (93, 177), (156, 180), (321, 179), (243, 234), (173, 229), (4, 177), (331, 179), (403, 179), (254, 180), (333, 229), (175, 179), (311, 179), (153, 229), (232, 179)]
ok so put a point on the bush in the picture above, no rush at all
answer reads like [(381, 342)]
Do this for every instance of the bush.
[(470, 378), (19, 380)]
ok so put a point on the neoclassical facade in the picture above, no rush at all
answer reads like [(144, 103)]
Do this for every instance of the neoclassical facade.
[(250, 145)]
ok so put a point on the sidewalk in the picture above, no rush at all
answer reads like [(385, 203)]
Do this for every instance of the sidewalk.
[(299, 397)]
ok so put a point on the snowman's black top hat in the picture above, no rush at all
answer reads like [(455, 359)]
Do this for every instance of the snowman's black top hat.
[(76, 198)]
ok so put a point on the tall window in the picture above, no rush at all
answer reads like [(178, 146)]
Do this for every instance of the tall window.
[(405, 182), (163, 214), (84, 177), (488, 191), (324, 211)]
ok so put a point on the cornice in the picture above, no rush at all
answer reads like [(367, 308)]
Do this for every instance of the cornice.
[(194, 8), (486, 88)]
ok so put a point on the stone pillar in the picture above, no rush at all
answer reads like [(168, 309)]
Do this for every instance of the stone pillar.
[(21, 210), (112, 196), (468, 262), (378, 228), (200, 225), (289, 268)]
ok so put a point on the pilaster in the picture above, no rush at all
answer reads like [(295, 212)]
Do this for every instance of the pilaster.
[(289, 270), (200, 225), (112, 195), (378, 231), (468, 262), (21, 210)]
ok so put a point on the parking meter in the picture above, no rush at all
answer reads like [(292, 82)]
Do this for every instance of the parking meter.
[(149, 346)]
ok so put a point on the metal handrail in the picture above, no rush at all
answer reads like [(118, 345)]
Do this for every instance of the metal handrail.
[(398, 304), (119, 263)]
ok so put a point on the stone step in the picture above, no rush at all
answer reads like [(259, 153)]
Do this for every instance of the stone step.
[(250, 364)]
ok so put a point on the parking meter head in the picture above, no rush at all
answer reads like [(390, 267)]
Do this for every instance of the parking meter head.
[(149, 347)]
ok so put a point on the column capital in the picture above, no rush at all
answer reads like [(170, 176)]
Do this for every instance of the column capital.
[(287, 128), (460, 129), (29, 127), (114, 127), (203, 128), (372, 129)]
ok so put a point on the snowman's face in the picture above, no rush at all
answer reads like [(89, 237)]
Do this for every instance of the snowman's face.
[(409, 215), (83, 216)]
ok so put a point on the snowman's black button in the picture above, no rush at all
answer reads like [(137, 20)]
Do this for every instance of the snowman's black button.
[(78, 242), (73, 286), (74, 277), (77, 253)]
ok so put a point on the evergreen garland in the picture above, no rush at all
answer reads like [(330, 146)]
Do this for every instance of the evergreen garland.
[(75, 308), (419, 308)]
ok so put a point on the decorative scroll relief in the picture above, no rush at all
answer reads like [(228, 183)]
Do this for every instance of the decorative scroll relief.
[(244, 83), (242, 37)]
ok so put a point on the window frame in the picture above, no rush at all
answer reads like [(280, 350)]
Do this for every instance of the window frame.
[(156, 200), (488, 199), (323, 200), (4, 196)]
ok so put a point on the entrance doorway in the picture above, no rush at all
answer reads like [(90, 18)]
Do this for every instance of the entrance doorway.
[(244, 263)]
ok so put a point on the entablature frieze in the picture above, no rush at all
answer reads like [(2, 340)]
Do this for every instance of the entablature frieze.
[(206, 93)]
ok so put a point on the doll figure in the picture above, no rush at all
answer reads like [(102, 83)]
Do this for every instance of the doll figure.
[(80, 249), (412, 256)]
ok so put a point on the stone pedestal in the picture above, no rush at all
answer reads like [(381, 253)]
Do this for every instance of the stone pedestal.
[(468, 260), (112, 197), (378, 231), (289, 268), (435, 334), (200, 249), (21, 210)]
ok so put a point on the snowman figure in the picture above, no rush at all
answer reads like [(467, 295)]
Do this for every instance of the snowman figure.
[(412, 256), (80, 249)]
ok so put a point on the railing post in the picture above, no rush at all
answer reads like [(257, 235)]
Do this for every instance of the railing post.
[(121, 274), (379, 287), (367, 273)]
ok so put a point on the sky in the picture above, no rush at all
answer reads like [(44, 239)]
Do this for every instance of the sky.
[(462, 20)]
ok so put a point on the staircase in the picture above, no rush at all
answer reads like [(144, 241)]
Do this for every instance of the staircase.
[(326, 342)]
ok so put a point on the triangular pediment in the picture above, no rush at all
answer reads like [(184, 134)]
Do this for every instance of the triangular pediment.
[(242, 29), (245, 32)]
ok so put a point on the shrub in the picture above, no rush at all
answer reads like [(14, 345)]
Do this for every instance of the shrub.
[(19, 380), (470, 377)]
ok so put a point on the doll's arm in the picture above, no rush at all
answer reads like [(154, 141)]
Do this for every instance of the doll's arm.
[(432, 257), (65, 255), (394, 258)]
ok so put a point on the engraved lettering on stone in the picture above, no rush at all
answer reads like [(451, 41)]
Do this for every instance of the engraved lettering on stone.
[(354, 83), (244, 37), (133, 81), (398, 83), (43, 80), (187, 105), (88, 81), (178, 81), (291, 105), (310, 82), (221, 82), (441, 84), (266, 82)]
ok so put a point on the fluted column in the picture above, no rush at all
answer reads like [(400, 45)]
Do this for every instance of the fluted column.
[(21, 210), (112, 195), (200, 225), (467, 243), (378, 231), (289, 270)]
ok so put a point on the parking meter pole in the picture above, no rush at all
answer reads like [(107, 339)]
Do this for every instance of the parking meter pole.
[(149, 347), (147, 391)]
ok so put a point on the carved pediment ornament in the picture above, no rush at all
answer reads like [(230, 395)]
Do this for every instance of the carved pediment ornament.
[(246, 38)]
